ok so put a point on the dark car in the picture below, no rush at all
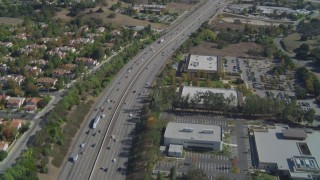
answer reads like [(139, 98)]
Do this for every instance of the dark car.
[(133, 91)]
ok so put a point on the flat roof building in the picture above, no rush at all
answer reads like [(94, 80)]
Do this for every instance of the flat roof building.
[(175, 150), (290, 152), (192, 91), (193, 135), (208, 64)]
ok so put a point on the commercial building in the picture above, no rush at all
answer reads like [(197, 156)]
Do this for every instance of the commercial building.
[(175, 150), (193, 136), (192, 91), (289, 152), (207, 64)]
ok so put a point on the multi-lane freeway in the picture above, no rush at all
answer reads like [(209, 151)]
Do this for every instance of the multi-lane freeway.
[(100, 155)]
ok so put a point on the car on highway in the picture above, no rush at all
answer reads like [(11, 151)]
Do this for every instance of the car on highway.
[(74, 157), (114, 160)]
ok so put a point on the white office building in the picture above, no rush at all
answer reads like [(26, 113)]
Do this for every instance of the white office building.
[(289, 152), (193, 136)]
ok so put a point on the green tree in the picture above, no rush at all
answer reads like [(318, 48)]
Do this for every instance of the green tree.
[(173, 173), (3, 155), (160, 176), (309, 116)]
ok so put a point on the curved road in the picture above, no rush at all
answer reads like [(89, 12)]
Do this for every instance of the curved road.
[(121, 103)]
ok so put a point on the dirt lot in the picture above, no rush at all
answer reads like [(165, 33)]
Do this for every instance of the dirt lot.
[(221, 24), (235, 50), (227, 21), (10, 21), (52, 174), (180, 6)]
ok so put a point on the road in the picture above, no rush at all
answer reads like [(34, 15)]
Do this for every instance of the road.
[(123, 98)]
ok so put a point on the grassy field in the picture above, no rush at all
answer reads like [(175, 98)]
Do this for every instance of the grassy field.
[(292, 42), (75, 119), (214, 84), (121, 19), (234, 50), (10, 21)]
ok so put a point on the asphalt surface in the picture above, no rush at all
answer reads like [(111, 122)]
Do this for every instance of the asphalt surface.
[(123, 98)]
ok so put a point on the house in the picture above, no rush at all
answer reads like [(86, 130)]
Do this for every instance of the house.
[(33, 101), (87, 61), (39, 63), (46, 80), (22, 36), (3, 146), (33, 70), (3, 96), (3, 68), (149, 8), (115, 32), (14, 123), (31, 104), (6, 44), (15, 78), (15, 102), (101, 29), (84, 28), (57, 73), (69, 67)]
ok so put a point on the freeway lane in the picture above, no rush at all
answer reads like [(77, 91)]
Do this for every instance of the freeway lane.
[(124, 92)]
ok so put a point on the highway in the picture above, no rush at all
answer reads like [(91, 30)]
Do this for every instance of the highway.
[(121, 102)]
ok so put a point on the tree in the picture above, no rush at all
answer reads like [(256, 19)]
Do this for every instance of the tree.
[(197, 174), (309, 116), (3, 155), (24, 127), (160, 176), (112, 15), (173, 173), (98, 53)]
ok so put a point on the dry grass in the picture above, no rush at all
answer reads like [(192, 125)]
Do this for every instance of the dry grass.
[(174, 6), (119, 20), (235, 50), (292, 42), (10, 21), (52, 174)]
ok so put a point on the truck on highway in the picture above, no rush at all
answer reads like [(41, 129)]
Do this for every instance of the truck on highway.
[(95, 122), (160, 41)]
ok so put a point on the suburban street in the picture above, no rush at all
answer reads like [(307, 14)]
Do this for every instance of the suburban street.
[(103, 157)]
